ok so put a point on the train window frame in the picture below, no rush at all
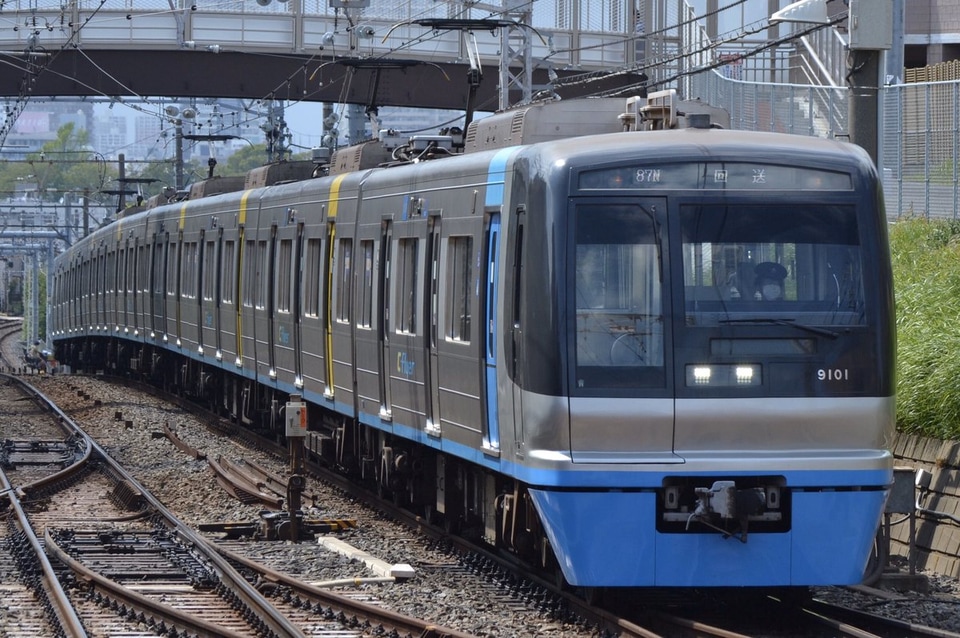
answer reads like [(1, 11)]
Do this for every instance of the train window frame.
[(284, 275), (619, 341), (249, 272), (172, 275), (365, 310), (344, 279), (228, 271), (120, 282), (813, 249), (111, 272), (460, 257), (311, 278), (261, 285), (210, 270), (406, 262), (158, 266), (143, 274), (188, 284)]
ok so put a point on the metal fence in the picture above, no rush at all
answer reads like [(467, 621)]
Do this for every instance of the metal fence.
[(920, 144), (918, 131)]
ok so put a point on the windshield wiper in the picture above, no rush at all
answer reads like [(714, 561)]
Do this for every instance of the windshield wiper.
[(785, 322)]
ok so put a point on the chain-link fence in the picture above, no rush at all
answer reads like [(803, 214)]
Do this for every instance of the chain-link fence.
[(918, 134), (919, 147)]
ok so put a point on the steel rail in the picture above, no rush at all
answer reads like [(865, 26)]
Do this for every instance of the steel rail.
[(272, 618), (67, 425), (241, 487), (59, 601), (129, 597), (397, 621)]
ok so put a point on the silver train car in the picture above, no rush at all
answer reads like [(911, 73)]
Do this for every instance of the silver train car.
[(634, 357)]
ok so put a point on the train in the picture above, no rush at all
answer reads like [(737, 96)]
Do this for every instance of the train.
[(610, 337)]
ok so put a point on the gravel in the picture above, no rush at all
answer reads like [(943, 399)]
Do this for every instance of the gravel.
[(445, 588)]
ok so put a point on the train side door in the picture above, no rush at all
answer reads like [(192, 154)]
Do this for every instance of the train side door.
[(326, 307), (383, 305), (135, 284), (342, 331), (167, 251), (218, 277), (114, 260), (285, 344), (267, 303), (431, 329), (174, 288), (123, 286), (405, 361), (157, 271), (102, 279), (459, 365), (515, 350), (491, 435), (251, 260), (296, 297), (209, 297), (200, 250), (367, 347)]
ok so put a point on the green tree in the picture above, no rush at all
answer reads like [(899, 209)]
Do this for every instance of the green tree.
[(66, 164), (243, 160), (164, 174)]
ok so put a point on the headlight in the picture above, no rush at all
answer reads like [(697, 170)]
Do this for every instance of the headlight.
[(717, 375)]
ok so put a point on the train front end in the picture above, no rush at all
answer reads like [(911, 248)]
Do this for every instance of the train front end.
[(722, 407)]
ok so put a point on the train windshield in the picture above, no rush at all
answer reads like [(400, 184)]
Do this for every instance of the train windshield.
[(619, 307), (799, 263)]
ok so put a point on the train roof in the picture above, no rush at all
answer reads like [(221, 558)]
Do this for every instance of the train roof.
[(775, 148), (564, 129)]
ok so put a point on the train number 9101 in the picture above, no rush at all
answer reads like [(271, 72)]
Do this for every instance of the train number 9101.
[(833, 374)]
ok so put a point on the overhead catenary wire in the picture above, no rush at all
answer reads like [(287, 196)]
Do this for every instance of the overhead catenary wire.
[(33, 70)]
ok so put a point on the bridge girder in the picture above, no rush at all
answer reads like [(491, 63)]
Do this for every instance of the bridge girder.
[(179, 73)]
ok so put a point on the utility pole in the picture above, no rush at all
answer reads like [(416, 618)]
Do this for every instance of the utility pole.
[(895, 56), (870, 25), (871, 32)]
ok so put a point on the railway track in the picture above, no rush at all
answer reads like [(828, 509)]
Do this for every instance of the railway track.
[(308, 601), (811, 618), (131, 555)]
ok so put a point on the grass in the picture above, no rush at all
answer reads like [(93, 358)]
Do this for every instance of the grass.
[(926, 266)]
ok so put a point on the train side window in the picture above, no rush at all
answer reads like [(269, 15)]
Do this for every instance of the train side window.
[(460, 274), (143, 275), (110, 274), (172, 274), (210, 271), (407, 278), (365, 319), (260, 279), (285, 263), (227, 267), (156, 270), (343, 279), (311, 278), (249, 272), (189, 271)]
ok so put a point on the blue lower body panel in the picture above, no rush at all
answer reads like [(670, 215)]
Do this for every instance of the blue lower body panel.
[(609, 539)]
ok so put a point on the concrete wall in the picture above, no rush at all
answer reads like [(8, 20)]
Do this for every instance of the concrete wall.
[(937, 537)]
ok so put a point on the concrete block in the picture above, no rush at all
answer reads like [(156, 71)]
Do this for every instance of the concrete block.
[(377, 566)]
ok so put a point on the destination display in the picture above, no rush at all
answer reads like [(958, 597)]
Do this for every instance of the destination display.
[(715, 175)]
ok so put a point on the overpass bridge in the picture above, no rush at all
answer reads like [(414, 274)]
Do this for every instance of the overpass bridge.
[(414, 53)]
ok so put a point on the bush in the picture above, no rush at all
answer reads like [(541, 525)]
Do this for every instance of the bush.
[(926, 267)]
